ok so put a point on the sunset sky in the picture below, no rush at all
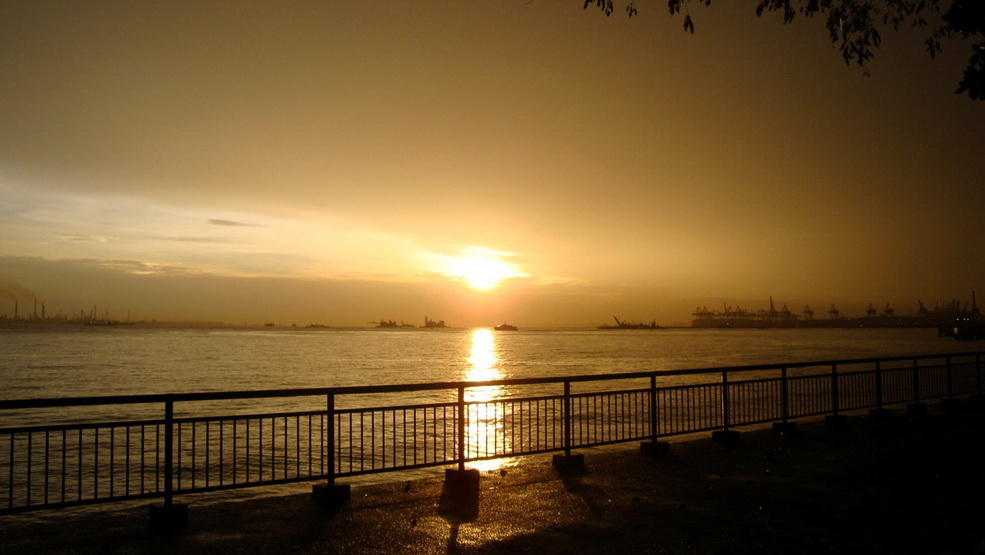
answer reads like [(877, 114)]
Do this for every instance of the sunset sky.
[(477, 162)]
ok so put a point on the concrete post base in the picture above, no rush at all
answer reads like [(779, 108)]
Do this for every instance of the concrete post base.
[(163, 516), (331, 495), (916, 409), (836, 420), (728, 437), (786, 428), (569, 464), (462, 482), (654, 448)]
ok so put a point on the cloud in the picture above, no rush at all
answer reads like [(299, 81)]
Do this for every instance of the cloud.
[(232, 223), (144, 268), (192, 239), (78, 238)]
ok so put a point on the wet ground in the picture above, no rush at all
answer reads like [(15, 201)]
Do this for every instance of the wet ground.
[(912, 484)]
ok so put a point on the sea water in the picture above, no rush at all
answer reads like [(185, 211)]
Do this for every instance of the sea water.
[(44, 362)]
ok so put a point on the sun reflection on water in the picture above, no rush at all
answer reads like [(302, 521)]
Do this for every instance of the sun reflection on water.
[(485, 418)]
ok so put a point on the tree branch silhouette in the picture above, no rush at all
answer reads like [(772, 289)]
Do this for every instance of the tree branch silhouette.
[(854, 26)]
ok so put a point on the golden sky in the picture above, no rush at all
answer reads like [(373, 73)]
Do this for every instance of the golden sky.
[(477, 162)]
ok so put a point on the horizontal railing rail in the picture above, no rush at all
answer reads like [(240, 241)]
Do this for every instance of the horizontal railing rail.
[(46, 463)]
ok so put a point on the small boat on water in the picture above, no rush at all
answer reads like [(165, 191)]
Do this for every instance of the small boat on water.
[(505, 327)]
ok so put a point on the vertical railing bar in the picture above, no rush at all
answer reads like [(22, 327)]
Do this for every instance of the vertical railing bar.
[(311, 453), (330, 432), (413, 420), (127, 473), (112, 456), (362, 442), (916, 381), (835, 401), (784, 396), (222, 449), (208, 452), (461, 428), (64, 478), (179, 457), (95, 463), (878, 385), (192, 463), (157, 457), (566, 419), (235, 451), (950, 378), (47, 456), (725, 401), (27, 485)]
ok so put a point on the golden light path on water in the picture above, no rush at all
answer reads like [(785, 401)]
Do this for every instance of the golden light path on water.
[(485, 420)]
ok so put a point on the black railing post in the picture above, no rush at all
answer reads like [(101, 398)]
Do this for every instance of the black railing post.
[(567, 463), (725, 435), (835, 419), (461, 428), (785, 426), (168, 452), (950, 378), (949, 402), (169, 514), (330, 493), (462, 481), (916, 407), (654, 446), (879, 413)]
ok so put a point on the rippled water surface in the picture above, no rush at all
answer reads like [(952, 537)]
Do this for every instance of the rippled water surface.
[(83, 361)]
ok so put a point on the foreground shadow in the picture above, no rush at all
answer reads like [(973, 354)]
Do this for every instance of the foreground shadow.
[(578, 482), (458, 505)]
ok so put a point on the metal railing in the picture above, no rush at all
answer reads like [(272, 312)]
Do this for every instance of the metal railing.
[(70, 462)]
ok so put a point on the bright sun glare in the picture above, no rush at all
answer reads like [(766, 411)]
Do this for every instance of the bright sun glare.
[(482, 269)]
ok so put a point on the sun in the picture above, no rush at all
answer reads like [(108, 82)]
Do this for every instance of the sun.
[(480, 268)]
